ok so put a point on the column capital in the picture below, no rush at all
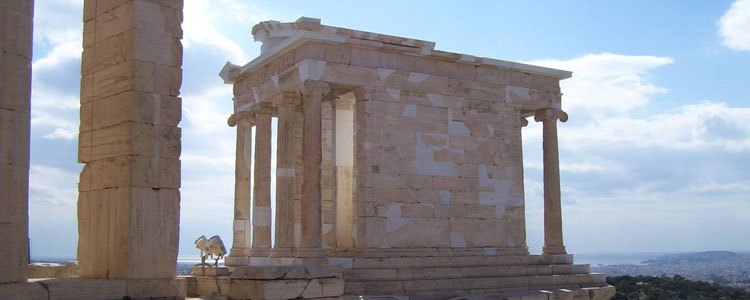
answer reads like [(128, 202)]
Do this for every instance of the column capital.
[(550, 114), (524, 122), (263, 108), (311, 88), (241, 117)]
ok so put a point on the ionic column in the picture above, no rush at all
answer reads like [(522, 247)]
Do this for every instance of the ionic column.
[(284, 231), (553, 237), (311, 243), (243, 160), (261, 220)]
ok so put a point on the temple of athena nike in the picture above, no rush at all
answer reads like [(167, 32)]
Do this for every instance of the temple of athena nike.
[(398, 171)]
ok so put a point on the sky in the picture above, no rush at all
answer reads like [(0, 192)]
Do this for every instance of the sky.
[(654, 158)]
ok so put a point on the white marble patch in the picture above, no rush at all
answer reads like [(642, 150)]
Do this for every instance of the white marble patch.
[(458, 128), (345, 262), (436, 99), (466, 57), (297, 234), (384, 73), (457, 240), (275, 79), (240, 225), (410, 111), (260, 261), (425, 161), (394, 93), (247, 143), (521, 92), (256, 99), (417, 77), (395, 223), (261, 216), (445, 197), (311, 69), (284, 172), (394, 210)]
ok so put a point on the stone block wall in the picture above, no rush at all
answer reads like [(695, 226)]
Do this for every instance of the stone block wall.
[(15, 92), (129, 200), (438, 170)]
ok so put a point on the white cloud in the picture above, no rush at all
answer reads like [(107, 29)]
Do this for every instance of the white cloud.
[(607, 83), (734, 26), (199, 28), (51, 185), (707, 125)]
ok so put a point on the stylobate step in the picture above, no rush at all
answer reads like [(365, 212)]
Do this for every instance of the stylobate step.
[(463, 272), (460, 261), (468, 284)]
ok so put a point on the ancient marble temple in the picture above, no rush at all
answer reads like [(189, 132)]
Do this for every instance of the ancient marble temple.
[(397, 161)]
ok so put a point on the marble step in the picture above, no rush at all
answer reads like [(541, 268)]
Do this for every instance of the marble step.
[(466, 285), (459, 261), (363, 274), (572, 292)]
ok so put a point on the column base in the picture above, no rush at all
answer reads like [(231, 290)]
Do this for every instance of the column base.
[(554, 250), (233, 261), (259, 252), (282, 252), (310, 252), (238, 252)]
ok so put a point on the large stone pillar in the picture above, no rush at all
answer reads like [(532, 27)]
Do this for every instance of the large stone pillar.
[(344, 176), (311, 242), (553, 237), (129, 199), (261, 219), (284, 231), (15, 89), (243, 161)]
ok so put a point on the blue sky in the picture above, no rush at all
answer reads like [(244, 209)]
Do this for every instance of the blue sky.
[(653, 158)]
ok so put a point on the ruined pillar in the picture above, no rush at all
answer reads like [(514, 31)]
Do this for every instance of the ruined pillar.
[(129, 198), (284, 231), (243, 161), (311, 242), (261, 219), (15, 89), (553, 237)]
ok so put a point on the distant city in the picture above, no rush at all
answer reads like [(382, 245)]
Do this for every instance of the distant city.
[(722, 267)]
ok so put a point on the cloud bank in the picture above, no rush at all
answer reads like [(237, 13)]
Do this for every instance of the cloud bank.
[(734, 26)]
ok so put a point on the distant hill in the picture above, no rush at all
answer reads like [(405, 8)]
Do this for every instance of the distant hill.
[(667, 288), (698, 257)]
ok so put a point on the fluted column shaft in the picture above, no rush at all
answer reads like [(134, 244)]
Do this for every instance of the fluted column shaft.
[(243, 161), (284, 231), (261, 220), (311, 243), (553, 237)]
